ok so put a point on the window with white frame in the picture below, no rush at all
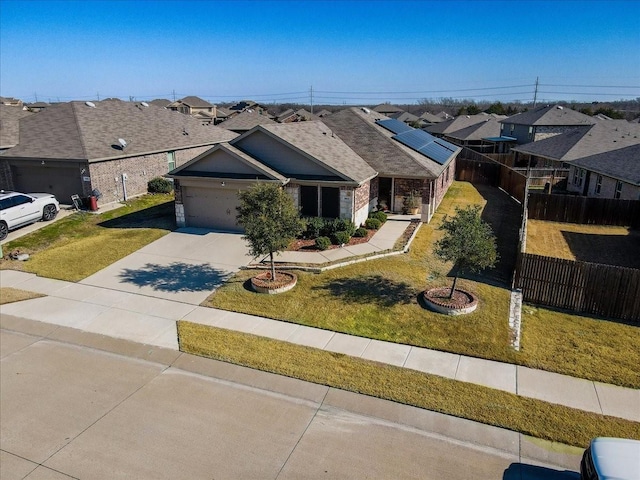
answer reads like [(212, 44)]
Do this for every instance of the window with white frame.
[(171, 160), (578, 177), (618, 189), (598, 184)]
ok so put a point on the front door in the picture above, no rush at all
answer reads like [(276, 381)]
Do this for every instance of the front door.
[(384, 193)]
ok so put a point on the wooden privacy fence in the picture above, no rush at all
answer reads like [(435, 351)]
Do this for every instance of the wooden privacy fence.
[(584, 210), (591, 288), (474, 167)]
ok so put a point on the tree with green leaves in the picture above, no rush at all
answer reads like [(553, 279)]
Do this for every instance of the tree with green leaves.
[(270, 220), (468, 242)]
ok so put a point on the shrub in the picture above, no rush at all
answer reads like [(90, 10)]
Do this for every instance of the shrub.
[(159, 185), (372, 223), (360, 232), (340, 238), (313, 227), (379, 216), (344, 225), (323, 243)]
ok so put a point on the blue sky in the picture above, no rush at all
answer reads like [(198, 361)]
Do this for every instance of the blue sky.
[(349, 52)]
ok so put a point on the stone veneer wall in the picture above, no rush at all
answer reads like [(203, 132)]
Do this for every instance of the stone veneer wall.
[(107, 176)]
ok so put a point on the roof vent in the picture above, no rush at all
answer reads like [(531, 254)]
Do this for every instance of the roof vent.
[(559, 107), (123, 143), (90, 104), (144, 104), (366, 110)]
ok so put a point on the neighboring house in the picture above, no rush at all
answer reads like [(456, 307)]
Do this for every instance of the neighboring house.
[(192, 105), (305, 116), (248, 106), (37, 106), (12, 102), (160, 102), (321, 173), (430, 118), (543, 122), (323, 113), (561, 150), (611, 174), (114, 147), (287, 116), (483, 137), (406, 117), (387, 109), (245, 121), (9, 125), (401, 168)]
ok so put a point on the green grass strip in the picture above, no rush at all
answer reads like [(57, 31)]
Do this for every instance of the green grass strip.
[(537, 418)]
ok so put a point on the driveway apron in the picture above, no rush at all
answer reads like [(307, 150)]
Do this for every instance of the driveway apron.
[(183, 266)]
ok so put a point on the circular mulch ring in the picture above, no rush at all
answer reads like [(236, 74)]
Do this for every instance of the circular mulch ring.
[(284, 281), (437, 299)]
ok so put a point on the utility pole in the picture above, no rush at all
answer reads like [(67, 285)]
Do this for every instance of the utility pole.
[(311, 94), (535, 94), (174, 95), (98, 95), (36, 97)]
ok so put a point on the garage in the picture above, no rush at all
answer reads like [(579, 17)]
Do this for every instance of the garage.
[(207, 207), (61, 181)]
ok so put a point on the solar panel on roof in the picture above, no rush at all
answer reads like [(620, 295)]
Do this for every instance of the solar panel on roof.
[(436, 152), (413, 139), (395, 126), (445, 144)]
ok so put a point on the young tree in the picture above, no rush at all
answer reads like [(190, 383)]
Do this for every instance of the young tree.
[(270, 220), (468, 241)]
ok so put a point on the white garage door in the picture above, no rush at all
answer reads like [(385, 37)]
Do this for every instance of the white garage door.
[(211, 208)]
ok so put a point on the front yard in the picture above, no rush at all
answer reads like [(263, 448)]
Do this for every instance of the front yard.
[(380, 299)]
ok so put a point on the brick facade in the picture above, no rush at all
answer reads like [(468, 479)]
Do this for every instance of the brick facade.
[(106, 176)]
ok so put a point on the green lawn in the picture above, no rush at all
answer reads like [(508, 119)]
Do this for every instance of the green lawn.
[(380, 299), (81, 244), (475, 402)]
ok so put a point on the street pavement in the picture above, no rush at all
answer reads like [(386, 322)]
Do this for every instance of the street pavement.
[(80, 405)]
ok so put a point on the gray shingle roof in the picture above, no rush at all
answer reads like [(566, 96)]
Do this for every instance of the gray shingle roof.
[(490, 127), (75, 130), (592, 139), (9, 124), (550, 115), (622, 164), (358, 129), (458, 123), (195, 102), (315, 139), (245, 121), (387, 108)]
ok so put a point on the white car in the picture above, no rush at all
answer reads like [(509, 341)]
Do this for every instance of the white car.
[(18, 209), (611, 459)]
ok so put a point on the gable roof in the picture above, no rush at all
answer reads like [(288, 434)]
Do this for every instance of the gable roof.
[(10, 124), (245, 120), (196, 102), (405, 117), (622, 164), (357, 128), (316, 141), (431, 118), (387, 108), (458, 123), (490, 127), (550, 115), (582, 142), (77, 131), (261, 171), (160, 102)]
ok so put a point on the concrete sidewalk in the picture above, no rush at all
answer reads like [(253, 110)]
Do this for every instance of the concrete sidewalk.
[(152, 321)]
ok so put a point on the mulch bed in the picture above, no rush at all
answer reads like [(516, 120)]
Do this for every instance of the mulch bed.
[(264, 280), (306, 245)]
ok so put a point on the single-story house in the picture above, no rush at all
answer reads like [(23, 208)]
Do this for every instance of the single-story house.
[(387, 109), (611, 174), (473, 131), (322, 174), (406, 159), (113, 147)]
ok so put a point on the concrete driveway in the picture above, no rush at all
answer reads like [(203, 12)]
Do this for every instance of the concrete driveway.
[(183, 266)]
